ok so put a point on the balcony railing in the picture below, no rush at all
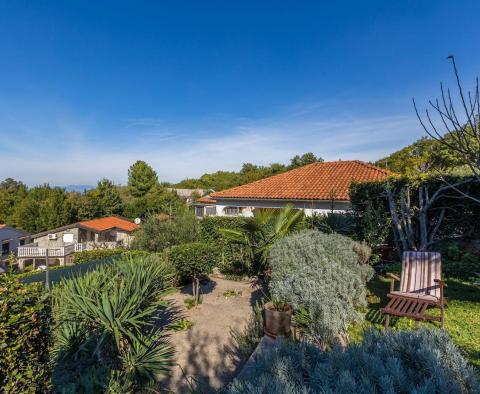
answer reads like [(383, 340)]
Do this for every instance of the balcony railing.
[(32, 250)]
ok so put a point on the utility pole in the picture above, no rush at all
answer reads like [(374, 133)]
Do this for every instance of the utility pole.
[(47, 276)]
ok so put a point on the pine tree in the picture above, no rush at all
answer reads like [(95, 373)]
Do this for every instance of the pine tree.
[(141, 178)]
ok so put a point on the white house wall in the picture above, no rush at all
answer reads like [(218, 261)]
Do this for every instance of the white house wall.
[(310, 207)]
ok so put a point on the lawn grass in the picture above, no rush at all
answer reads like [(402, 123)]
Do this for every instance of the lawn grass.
[(462, 315)]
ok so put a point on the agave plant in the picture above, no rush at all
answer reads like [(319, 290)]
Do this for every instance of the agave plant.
[(108, 328), (259, 233)]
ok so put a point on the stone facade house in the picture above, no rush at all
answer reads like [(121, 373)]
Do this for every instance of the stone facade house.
[(60, 243)]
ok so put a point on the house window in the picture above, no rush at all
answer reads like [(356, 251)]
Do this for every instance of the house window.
[(5, 247), (199, 212), (210, 211), (232, 211), (22, 241), (68, 237)]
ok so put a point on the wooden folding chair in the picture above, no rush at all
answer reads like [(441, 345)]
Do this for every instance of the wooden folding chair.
[(421, 286)]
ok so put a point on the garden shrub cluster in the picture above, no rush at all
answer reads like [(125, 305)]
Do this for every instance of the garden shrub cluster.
[(25, 323), (421, 361), (95, 254), (156, 234), (324, 276), (210, 225), (459, 263), (108, 338)]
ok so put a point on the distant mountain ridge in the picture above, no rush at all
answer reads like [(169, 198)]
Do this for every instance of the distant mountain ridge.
[(78, 188)]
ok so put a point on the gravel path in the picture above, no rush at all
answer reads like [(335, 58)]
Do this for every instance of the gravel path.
[(206, 352)]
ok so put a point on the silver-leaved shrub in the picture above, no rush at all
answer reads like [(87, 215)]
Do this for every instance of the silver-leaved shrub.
[(324, 276), (422, 361)]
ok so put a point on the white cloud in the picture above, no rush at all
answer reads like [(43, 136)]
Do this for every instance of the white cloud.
[(64, 153)]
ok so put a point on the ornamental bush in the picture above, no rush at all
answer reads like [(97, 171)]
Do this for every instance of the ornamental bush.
[(421, 361), (324, 277), (156, 234), (191, 260), (25, 320)]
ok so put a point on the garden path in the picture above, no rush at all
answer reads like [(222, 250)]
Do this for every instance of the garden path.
[(206, 353)]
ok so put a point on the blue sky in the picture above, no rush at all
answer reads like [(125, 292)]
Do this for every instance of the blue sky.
[(87, 88)]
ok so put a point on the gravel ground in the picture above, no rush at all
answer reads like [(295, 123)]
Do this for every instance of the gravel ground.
[(206, 353)]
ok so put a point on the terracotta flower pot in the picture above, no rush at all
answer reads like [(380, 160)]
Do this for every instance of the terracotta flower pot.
[(277, 322)]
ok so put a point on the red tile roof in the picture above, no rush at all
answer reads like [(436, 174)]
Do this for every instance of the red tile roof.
[(206, 200), (109, 222), (317, 181)]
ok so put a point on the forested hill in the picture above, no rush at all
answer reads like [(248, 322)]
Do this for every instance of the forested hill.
[(221, 180), (425, 155)]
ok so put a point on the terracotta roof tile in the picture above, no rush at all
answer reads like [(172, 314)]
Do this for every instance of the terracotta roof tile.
[(109, 222), (206, 200), (317, 181)]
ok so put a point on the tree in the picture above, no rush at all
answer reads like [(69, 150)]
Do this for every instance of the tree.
[(155, 234), (415, 227), (192, 260), (458, 130), (11, 193), (44, 207), (141, 178), (306, 158), (109, 200)]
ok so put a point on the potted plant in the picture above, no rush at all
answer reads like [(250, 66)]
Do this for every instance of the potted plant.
[(278, 318)]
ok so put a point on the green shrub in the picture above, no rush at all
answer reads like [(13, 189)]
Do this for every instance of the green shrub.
[(108, 338), (421, 361), (210, 225), (459, 263), (155, 234), (95, 254), (191, 260), (323, 274), (233, 258), (25, 320)]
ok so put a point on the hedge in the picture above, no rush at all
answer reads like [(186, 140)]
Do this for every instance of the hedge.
[(209, 226), (25, 337), (96, 254)]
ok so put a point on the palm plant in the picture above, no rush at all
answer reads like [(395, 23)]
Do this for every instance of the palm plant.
[(333, 222), (108, 336), (259, 233)]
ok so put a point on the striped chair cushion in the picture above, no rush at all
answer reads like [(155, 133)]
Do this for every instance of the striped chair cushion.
[(419, 269)]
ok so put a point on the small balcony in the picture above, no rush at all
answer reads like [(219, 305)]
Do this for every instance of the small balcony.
[(33, 250)]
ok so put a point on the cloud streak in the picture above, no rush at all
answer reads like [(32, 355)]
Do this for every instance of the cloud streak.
[(65, 153)]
